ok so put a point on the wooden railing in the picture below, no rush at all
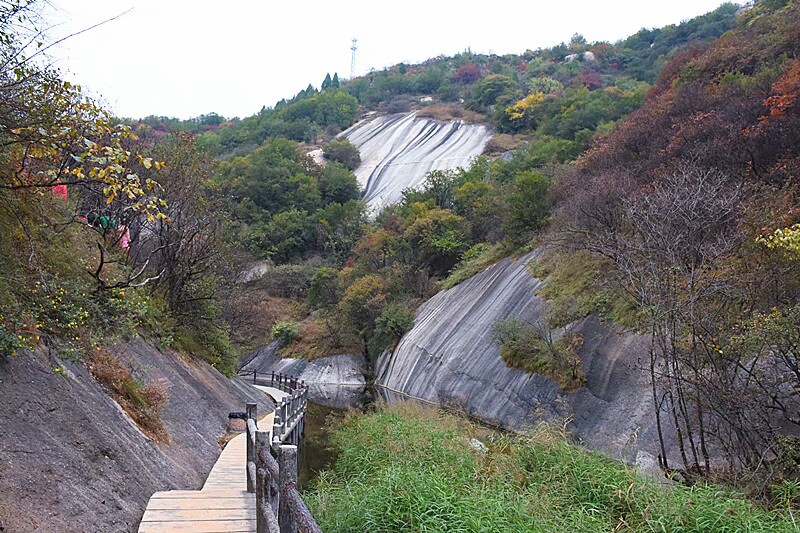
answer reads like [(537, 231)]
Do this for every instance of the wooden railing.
[(272, 466)]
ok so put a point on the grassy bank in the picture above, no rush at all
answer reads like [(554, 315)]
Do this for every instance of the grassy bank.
[(408, 468)]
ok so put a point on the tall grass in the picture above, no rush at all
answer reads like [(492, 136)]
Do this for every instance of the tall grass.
[(408, 468)]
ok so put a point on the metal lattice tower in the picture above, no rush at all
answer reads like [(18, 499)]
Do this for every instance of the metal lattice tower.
[(353, 59)]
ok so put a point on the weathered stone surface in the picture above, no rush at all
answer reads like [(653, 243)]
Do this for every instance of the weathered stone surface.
[(335, 380), (72, 460), (449, 357), (329, 370), (255, 271), (398, 151)]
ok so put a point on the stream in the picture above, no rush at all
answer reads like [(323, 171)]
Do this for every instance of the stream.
[(326, 404)]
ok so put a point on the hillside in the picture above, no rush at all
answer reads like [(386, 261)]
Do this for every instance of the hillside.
[(621, 256), (306, 217), (399, 151), (681, 223)]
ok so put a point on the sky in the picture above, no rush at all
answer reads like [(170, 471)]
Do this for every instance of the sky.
[(184, 58)]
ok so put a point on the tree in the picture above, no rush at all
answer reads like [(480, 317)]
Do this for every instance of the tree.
[(326, 83), (342, 151), (528, 204), (339, 227), (287, 235), (487, 91), (186, 248), (678, 231), (438, 237), (338, 185), (362, 304), (325, 290), (467, 74)]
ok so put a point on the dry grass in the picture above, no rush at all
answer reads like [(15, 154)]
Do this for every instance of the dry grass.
[(316, 340), (501, 143), (143, 403), (445, 112), (253, 313)]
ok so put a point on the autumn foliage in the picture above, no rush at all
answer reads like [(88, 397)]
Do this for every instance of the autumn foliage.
[(693, 198)]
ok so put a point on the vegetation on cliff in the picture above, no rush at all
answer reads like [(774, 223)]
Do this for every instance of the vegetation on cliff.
[(692, 205)]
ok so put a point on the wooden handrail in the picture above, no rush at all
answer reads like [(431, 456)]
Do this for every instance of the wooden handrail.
[(272, 466)]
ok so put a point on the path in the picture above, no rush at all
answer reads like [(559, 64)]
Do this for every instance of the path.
[(223, 504), (276, 394)]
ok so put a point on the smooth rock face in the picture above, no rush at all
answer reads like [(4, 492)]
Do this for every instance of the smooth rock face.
[(335, 380), (398, 151), (449, 357), (72, 460)]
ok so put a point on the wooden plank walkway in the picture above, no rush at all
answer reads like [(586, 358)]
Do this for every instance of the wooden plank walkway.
[(223, 505)]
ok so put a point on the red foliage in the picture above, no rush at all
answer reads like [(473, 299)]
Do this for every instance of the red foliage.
[(785, 96), (468, 74), (590, 79)]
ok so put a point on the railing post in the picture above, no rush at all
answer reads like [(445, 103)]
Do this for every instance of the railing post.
[(251, 413), (266, 516), (255, 376), (287, 463), (276, 427), (272, 379)]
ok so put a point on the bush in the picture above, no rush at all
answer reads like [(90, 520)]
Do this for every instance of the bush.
[(342, 151), (393, 323), (534, 349), (285, 332)]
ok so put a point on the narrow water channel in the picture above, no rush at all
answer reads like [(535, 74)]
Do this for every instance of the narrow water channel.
[(316, 453), (326, 405)]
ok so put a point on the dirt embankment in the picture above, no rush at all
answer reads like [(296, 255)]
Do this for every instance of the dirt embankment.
[(72, 460)]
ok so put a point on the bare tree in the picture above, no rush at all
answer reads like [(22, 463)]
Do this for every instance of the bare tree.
[(674, 235)]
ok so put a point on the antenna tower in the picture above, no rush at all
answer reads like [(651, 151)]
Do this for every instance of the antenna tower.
[(353, 59)]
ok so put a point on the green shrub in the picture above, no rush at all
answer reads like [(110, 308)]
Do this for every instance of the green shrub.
[(342, 151), (474, 261), (390, 326), (534, 349), (10, 342), (285, 332)]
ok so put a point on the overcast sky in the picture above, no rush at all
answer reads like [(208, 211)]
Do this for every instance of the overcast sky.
[(184, 58)]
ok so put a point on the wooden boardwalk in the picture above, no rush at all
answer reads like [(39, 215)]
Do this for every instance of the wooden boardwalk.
[(223, 504)]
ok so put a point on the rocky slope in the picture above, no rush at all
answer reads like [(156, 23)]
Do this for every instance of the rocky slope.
[(449, 357), (72, 460), (398, 151), (335, 381)]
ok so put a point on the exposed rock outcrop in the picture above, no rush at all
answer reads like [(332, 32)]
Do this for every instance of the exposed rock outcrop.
[(398, 151), (449, 357), (72, 460), (335, 380)]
